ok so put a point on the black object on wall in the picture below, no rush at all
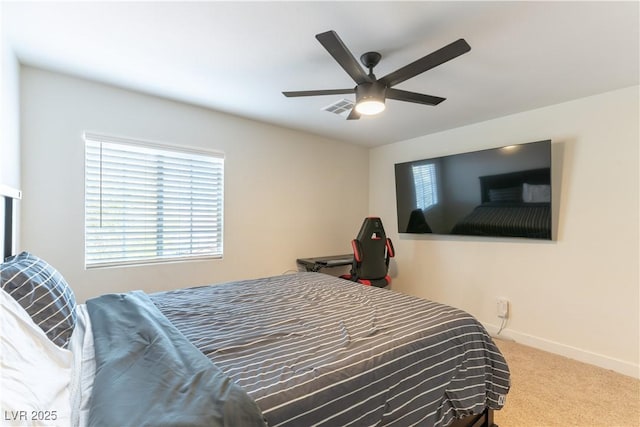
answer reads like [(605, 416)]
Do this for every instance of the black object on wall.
[(500, 192)]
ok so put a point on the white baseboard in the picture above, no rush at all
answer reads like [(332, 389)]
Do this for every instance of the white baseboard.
[(606, 362)]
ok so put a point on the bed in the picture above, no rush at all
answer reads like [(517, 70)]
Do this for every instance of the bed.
[(292, 350), (516, 204)]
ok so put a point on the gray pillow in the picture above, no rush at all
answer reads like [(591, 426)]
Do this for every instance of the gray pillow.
[(43, 293)]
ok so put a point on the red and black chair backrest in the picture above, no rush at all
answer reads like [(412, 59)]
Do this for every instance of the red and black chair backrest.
[(371, 252)]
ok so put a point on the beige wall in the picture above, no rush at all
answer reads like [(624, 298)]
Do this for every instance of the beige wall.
[(577, 295), (9, 128), (287, 194), (9, 116)]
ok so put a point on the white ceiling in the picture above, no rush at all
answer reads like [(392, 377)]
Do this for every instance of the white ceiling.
[(237, 57)]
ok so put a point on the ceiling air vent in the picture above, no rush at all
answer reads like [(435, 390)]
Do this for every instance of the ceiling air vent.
[(342, 107)]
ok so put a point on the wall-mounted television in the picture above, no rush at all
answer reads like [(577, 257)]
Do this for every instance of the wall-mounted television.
[(499, 192)]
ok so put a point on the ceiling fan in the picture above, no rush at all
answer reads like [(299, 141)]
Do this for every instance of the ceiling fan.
[(370, 91)]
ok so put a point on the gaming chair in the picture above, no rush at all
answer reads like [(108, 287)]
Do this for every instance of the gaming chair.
[(371, 252)]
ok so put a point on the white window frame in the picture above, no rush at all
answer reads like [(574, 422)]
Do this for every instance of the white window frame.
[(151, 203)]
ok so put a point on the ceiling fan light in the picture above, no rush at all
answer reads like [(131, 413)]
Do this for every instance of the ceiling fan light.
[(369, 107), (370, 98)]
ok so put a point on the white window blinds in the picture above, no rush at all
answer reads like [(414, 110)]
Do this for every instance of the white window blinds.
[(424, 180), (145, 203)]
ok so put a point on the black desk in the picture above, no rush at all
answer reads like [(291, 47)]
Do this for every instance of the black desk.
[(315, 264)]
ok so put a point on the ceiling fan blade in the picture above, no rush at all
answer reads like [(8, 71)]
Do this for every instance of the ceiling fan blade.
[(343, 56), (425, 63), (318, 92), (418, 98), (353, 115)]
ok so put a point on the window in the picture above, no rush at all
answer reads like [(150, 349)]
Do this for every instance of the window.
[(424, 180), (147, 203)]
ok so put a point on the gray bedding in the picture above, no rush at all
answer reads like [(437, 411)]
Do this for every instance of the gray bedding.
[(312, 349), (148, 374)]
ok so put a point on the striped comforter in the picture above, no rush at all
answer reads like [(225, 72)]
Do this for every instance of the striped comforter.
[(313, 349)]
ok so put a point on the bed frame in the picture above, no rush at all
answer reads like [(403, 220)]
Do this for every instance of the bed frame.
[(484, 419), (8, 200)]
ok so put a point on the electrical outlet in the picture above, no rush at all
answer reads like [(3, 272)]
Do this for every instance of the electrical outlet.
[(503, 308)]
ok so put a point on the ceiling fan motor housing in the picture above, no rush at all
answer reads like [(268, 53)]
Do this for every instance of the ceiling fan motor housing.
[(370, 91)]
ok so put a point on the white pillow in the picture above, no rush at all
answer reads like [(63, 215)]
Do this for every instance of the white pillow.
[(532, 193), (34, 372)]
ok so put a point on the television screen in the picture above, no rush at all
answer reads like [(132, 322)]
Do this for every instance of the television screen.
[(500, 192)]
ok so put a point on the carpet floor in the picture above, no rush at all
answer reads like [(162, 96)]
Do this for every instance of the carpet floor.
[(550, 390)]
